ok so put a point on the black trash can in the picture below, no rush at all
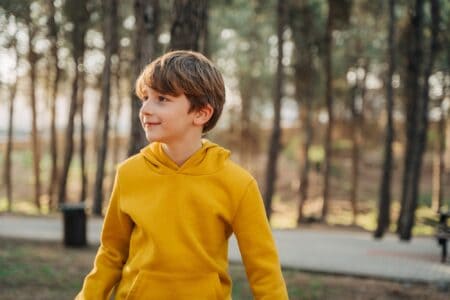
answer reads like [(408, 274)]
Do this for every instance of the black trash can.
[(74, 220)]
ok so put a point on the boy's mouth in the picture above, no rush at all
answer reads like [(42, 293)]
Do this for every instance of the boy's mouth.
[(148, 124)]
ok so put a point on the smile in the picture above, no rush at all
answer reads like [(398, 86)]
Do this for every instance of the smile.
[(150, 124)]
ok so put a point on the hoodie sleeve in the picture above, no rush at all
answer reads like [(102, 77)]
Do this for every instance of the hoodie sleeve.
[(112, 253), (257, 247)]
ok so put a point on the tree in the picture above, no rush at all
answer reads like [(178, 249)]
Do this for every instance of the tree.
[(32, 59), (274, 143), (245, 27), (384, 200), (77, 13), (329, 103), (22, 11), (439, 162), (190, 25), (419, 101), (53, 37), (338, 16), (111, 46), (439, 165), (145, 44), (7, 176), (356, 134), (304, 22)]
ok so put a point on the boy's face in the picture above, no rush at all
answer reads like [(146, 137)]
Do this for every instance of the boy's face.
[(166, 118)]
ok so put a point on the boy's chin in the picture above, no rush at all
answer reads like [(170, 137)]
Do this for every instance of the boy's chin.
[(152, 139)]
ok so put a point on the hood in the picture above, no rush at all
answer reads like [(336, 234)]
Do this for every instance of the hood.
[(208, 159)]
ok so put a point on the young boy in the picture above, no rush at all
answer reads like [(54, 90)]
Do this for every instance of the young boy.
[(175, 204)]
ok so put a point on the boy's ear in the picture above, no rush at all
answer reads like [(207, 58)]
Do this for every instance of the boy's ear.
[(203, 115)]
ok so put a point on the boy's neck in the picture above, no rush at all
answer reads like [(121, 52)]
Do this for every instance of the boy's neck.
[(180, 152)]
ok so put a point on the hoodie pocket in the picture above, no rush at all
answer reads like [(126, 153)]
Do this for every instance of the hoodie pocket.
[(165, 286)]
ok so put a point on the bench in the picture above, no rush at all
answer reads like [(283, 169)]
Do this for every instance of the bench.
[(443, 233)]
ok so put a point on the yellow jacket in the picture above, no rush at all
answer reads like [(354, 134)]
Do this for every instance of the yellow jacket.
[(165, 234)]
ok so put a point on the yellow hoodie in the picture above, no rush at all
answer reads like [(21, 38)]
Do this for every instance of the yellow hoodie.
[(165, 234)]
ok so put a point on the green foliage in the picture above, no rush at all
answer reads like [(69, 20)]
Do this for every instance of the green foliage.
[(20, 9), (316, 153), (307, 22), (242, 43)]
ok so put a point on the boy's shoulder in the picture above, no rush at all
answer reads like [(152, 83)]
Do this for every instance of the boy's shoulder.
[(237, 172), (131, 164)]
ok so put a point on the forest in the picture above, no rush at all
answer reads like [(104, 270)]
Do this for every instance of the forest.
[(339, 108)]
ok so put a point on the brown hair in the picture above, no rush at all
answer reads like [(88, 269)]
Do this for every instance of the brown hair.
[(186, 72)]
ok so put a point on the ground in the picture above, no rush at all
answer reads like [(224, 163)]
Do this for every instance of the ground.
[(43, 270)]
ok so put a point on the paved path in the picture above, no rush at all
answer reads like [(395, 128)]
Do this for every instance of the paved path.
[(334, 252)]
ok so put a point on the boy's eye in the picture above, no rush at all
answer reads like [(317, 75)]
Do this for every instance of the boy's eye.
[(162, 99), (145, 98)]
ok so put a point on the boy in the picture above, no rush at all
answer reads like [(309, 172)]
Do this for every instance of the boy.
[(175, 204)]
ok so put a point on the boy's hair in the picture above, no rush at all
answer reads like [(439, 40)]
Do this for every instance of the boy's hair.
[(186, 72)]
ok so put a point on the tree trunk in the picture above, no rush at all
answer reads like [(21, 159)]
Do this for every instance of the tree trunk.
[(111, 45), (32, 58), (189, 27), (7, 166), (412, 92), (447, 148), (439, 167), (117, 108), (274, 146), (7, 176), (83, 173), (355, 152), (301, 17), (79, 15), (439, 170), (53, 37), (245, 132), (406, 220), (145, 41), (68, 147), (306, 118), (329, 103), (385, 196)]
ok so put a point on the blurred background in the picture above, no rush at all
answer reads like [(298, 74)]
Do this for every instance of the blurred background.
[(338, 108)]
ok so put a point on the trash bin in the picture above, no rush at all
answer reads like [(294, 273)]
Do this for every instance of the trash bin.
[(74, 220)]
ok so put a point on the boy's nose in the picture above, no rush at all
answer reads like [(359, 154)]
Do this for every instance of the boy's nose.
[(146, 108)]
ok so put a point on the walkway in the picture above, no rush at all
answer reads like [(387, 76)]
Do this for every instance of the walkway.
[(348, 253)]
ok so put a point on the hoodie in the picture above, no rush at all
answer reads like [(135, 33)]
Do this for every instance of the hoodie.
[(165, 233)]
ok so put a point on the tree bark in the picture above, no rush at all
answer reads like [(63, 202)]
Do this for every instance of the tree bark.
[(53, 37), (302, 19), (32, 58), (79, 15), (145, 41), (7, 176), (68, 148), (245, 130), (306, 118), (439, 171), (439, 167), (111, 45), (413, 89), (329, 103), (189, 27), (406, 221), (274, 146), (385, 195), (355, 152), (83, 173), (117, 108)]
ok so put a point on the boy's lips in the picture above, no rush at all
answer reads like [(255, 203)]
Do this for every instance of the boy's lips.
[(151, 123)]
